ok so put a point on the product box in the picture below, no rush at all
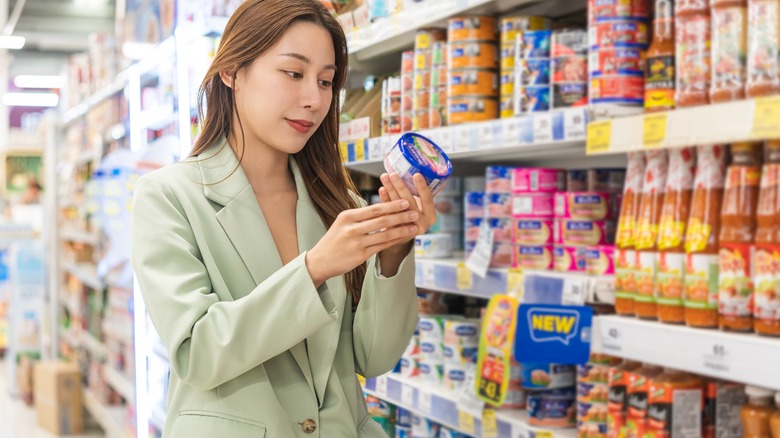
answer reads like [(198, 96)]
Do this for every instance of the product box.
[(533, 205), (538, 180), (533, 231), (584, 205), (58, 398)]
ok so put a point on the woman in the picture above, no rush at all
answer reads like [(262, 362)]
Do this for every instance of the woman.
[(268, 280)]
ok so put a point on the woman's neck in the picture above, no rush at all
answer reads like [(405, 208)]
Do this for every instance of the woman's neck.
[(266, 169)]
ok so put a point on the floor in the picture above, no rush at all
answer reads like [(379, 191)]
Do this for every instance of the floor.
[(18, 420)]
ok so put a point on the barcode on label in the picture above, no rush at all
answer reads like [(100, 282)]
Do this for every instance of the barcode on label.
[(534, 181)]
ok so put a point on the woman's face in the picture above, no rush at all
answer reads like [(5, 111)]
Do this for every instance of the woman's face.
[(285, 94)]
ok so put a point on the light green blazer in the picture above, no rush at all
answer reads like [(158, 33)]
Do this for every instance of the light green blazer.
[(256, 350)]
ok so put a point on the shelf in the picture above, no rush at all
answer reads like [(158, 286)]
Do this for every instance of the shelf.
[(79, 236), (112, 419), (376, 48), (122, 333), (79, 110), (441, 406), (121, 383), (85, 272), (744, 358), (157, 117), (93, 345), (723, 123)]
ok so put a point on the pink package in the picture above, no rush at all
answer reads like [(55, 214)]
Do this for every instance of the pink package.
[(498, 179), (569, 258), (502, 229), (474, 205), (471, 232), (538, 180), (600, 260), (583, 232), (533, 257), (533, 231), (533, 205), (502, 255), (499, 205), (584, 205)]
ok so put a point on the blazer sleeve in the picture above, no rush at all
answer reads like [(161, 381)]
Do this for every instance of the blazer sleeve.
[(385, 318), (211, 341)]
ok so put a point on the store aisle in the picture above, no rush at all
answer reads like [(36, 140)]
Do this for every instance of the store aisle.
[(18, 420)]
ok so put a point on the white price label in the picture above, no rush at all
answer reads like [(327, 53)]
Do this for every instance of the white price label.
[(574, 124), (407, 396), (573, 291), (467, 400), (485, 135), (511, 134), (375, 148), (388, 141), (519, 431), (425, 402), (429, 276), (462, 139), (543, 128), (479, 260), (716, 357), (611, 340), (381, 386)]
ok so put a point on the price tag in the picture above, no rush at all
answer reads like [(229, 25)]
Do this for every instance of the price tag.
[(599, 137), (765, 118), (429, 276), (388, 141), (543, 434), (519, 431), (479, 260), (344, 147), (543, 128), (574, 124), (486, 134), (510, 134), (362, 380), (360, 150), (425, 402), (573, 291), (407, 396), (716, 357), (462, 139), (611, 339), (466, 422), (514, 283), (445, 140), (375, 148), (489, 424), (654, 130), (381, 386), (464, 277)]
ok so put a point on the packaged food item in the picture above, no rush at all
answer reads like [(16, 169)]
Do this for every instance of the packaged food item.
[(454, 376), (431, 371), (424, 38), (547, 376), (414, 154), (502, 255), (737, 234), (531, 179), (533, 257), (530, 72), (605, 180), (507, 109), (583, 232), (538, 205), (471, 229), (438, 117), (431, 328), (593, 393), (422, 99), (466, 109), (569, 258), (533, 231), (555, 408), (646, 239), (584, 205), (532, 99), (729, 49), (569, 95), (510, 27), (438, 98), (617, 89), (757, 412), (692, 35), (403, 418), (701, 238), (638, 388), (502, 229), (423, 60), (763, 59), (600, 260), (568, 42), (439, 55), (577, 180), (433, 246), (473, 55), (591, 420), (625, 257), (610, 62), (617, 405), (692, 6), (432, 351), (766, 281), (774, 420), (605, 10), (659, 66), (471, 28), (422, 82), (507, 56), (675, 402), (499, 205), (407, 63), (498, 179), (474, 203), (507, 83), (625, 33), (671, 236), (472, 81), (722, 405), (535, 44), (569, 69)]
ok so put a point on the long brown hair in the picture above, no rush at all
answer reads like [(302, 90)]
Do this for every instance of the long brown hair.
[(255, 27)]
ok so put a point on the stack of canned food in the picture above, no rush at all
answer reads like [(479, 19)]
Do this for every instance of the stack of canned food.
[(512, 28), (423, 71)]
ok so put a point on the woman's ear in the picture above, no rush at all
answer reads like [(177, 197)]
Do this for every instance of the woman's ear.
[(228, 77)]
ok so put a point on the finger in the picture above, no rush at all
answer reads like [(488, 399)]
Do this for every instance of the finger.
[(383, 195), (377, 210), (403, 191), (387, 221), (383, 246), (423, 191), (390, 234), (388, 183)]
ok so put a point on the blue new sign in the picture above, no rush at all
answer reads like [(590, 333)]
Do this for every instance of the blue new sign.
[(553, 334)]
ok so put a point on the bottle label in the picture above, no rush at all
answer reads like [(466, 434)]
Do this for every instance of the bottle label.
[(697, 236), (671, 270), (735, 284), (763, 36), (728, 48), (693, 53), (659, 85), (670, 232), (701, 281), (766, 277), (625, 262), (645, 276)]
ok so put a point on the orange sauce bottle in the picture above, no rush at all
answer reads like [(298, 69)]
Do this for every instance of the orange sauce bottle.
[(659, 64), (638, 394), (647, 226), (692, 37), (671, 236), (625, 261), (729, 47), (763, 59), (737, 233), (618, 398), (701, 238), (757, 413), (774, 420), (766, 262), (673, 396)]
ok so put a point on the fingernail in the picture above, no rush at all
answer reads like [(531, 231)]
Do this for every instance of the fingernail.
[(404, 204), (413, 216), (395, 177), (413, 229)]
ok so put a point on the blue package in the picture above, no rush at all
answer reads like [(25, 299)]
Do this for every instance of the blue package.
[(535, 99), (533, 72), (548, 376), (554, 408), (403, 418), (536, 44)]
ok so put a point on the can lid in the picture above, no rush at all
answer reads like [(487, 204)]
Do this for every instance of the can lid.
[(757, 391), (430, 159)]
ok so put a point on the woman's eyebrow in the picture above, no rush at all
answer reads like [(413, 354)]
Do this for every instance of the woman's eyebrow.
[(305, 59)]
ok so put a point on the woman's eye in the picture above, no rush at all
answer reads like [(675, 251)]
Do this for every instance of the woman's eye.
[(327, 84), (294, 75)]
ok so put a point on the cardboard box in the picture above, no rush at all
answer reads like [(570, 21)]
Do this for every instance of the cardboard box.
[(58, 398)]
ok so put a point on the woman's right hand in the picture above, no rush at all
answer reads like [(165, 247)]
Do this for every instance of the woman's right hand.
[(358, 234)]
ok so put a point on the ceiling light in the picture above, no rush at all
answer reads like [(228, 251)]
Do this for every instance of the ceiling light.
[(34, 81), (31, 99), (11, 42)]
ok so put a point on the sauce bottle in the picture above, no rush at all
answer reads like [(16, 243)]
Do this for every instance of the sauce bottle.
[(625, 261), (757, 412), (617, 404), (766, 262), (763, 59), (701, 238), (638, 387), (671, 236), (647, 227), (674, 397), (774, 420), (659, 64), (737, 233), (729, 49), (692, 59)]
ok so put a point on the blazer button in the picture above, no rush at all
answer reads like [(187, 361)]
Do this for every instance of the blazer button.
[(309, 426)]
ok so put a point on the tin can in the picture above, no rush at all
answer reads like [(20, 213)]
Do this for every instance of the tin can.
[(535, 44), (569, 95), (422, 80), (423, 59), (619, 89), (532, 99), (509, 27), (531, 72), (605, 10), (437, 117), (568, 42), (424, 38), (473, 55), (439, 53), (569, 69), (607, 62), (507, 83), (407, 61), (473, 81), (439, 76), (422, 119), (422, 100), (439, 97), (507, 56), (507, 107), (471, 28), (618, 34), (465, 109)]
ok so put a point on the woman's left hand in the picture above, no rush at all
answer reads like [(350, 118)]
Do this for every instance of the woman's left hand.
[(393, 188)]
